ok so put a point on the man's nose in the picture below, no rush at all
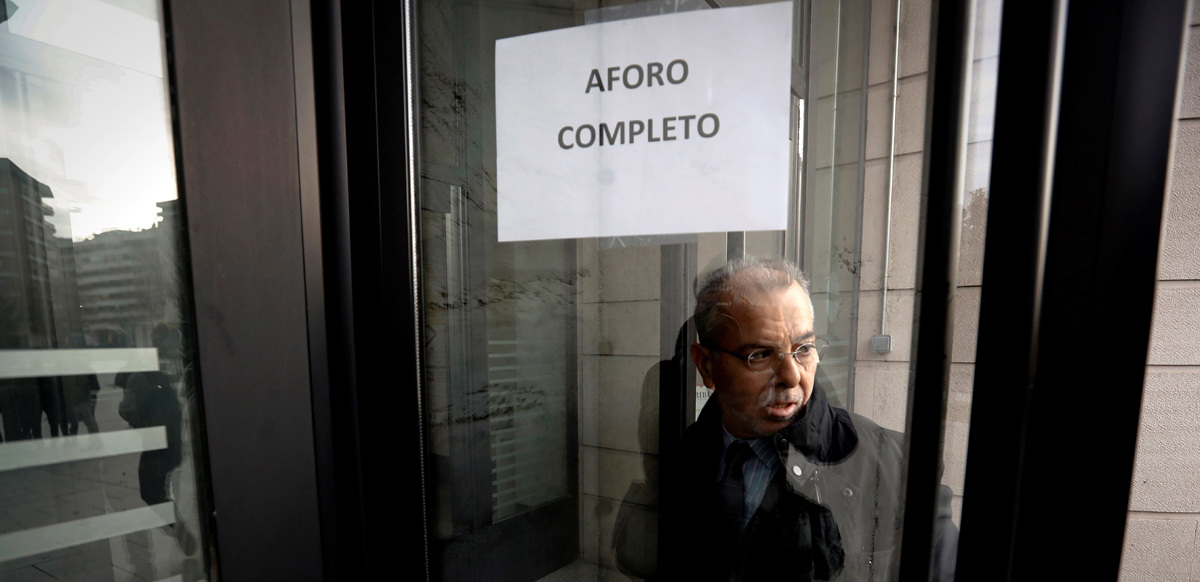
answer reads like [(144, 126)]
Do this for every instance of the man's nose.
[(787, 372)]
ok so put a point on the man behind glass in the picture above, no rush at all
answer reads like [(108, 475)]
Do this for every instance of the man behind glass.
[(780, 483)]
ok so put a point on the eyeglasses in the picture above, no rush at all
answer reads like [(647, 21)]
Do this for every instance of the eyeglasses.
[(764, 359)]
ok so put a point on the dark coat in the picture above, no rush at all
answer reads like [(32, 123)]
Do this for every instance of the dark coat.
[(833, 511)]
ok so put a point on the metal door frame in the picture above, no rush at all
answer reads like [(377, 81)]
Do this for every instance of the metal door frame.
[(1096, 84), (244, 141)]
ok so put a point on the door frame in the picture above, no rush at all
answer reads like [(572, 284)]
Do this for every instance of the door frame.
[(313, 235), (243, 151)]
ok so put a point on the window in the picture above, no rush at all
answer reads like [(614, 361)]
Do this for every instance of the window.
[(101, 471)]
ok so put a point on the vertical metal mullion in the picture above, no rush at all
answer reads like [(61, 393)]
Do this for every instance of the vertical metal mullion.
[(947, 107), (735, 245), (860, 192), (793, 241), (204, 494), (677, 387), (365, 66), (238, 156), (1027, 99), (397, 105), (339, 461), (806, 236), (571, 351), (308, 152)]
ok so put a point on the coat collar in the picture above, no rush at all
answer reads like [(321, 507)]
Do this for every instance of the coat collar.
[(822, 432)]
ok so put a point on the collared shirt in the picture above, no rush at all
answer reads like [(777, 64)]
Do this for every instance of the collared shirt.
[(756, 473)]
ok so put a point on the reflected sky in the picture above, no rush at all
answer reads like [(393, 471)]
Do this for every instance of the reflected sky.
[(83, 109)]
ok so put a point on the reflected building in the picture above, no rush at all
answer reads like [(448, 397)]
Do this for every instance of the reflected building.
[(115, 289), (127, 284), (39, 305), (39, 300), (109, 289)]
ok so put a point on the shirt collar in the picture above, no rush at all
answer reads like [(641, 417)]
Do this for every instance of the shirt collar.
[(763, 447)]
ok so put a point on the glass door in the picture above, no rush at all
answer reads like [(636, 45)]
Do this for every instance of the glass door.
[(500, 323), (101, 465), (595, 182)]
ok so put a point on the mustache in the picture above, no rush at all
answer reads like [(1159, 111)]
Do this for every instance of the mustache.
[(776, 397)]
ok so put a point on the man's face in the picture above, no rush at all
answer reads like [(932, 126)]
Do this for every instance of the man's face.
[(755, 404)]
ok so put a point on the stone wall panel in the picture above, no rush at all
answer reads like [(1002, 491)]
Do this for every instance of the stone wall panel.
[(1166, 476), (1158, 550), (1174, 340), (1180, 252)]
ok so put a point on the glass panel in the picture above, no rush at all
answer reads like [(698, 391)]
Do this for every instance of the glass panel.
[(577, 415), (1161, 532), (100, 464), (833, 189), (980, 125)]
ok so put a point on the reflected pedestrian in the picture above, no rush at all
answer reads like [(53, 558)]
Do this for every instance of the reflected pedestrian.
[(151, 401)]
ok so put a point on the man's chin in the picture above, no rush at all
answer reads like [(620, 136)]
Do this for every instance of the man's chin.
[(772, 423)]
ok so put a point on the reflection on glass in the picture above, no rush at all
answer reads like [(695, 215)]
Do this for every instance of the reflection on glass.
[(99, 461), (980, 127), (530, 298), (575, 434), (833, 199)]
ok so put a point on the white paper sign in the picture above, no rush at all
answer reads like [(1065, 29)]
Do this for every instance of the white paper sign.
[(659, 125)]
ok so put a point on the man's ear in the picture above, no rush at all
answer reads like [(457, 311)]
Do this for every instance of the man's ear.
[(703, 358)]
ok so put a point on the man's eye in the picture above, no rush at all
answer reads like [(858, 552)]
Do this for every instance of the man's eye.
[(758, 355), (805, 349)]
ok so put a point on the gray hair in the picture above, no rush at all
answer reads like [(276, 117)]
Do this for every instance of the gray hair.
[(751, 274)]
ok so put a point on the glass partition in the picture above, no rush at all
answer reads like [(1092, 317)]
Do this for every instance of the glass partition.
[(100, 463), (590, 224)]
